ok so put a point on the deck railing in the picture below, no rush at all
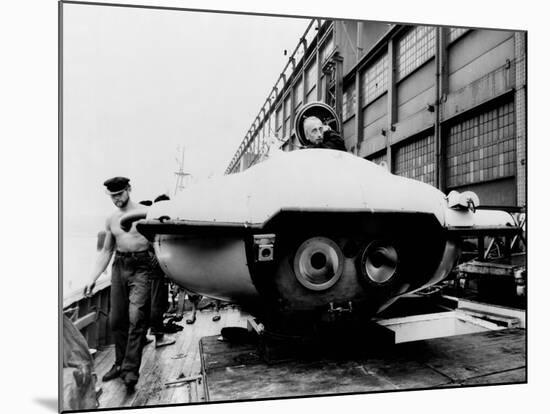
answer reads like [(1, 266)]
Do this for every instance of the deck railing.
[(90, 314)]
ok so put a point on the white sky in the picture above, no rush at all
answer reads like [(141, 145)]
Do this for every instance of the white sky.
[(140, 83)]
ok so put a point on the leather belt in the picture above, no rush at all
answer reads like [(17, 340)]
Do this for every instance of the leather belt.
[(133, 254)]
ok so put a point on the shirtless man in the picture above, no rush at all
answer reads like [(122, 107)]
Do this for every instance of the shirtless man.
[(130, 284)]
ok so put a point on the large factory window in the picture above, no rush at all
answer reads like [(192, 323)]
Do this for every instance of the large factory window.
[(455, 33), (375, 80), (482, 148), (415, 48), (416, 160), (348, 102)]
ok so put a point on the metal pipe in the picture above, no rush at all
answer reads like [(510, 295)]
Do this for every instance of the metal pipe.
[(359, 41), (317, 60), (437, 121)]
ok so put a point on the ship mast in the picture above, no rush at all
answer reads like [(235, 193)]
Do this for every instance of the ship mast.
[(181, 175)]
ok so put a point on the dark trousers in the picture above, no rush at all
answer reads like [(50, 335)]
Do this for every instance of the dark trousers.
[(159, 304), (130, 295)]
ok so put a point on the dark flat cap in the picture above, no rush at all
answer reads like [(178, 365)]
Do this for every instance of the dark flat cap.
[(116, 185)]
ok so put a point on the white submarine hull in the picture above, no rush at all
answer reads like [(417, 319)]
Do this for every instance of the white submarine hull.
[(311, 233)]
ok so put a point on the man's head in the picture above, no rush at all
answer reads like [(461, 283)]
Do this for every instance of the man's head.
[(313, 129), (119, 190)]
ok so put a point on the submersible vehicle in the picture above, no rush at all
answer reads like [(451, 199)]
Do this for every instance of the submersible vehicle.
[(311, 233)]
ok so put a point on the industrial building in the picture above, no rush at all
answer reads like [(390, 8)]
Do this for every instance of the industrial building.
[(443, 105)]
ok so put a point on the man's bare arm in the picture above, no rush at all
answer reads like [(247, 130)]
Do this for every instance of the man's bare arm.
[(102, 261)]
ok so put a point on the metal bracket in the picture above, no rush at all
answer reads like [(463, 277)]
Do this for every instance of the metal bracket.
[(340, 309), (264, 247)]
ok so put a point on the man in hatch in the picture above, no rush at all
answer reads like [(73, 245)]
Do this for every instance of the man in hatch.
[(322, 136), (130, 283)]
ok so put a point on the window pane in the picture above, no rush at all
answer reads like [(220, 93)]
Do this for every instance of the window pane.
[(416, 160), (375, 80), (482, 148), (415, 48), (348, 102)]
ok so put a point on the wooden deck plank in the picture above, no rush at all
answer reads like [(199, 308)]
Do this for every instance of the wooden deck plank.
[(493, 357), (181, 392), (112, 391), (172, 393), (154, 371), (161, 365), (172, 369), (104, 357)]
